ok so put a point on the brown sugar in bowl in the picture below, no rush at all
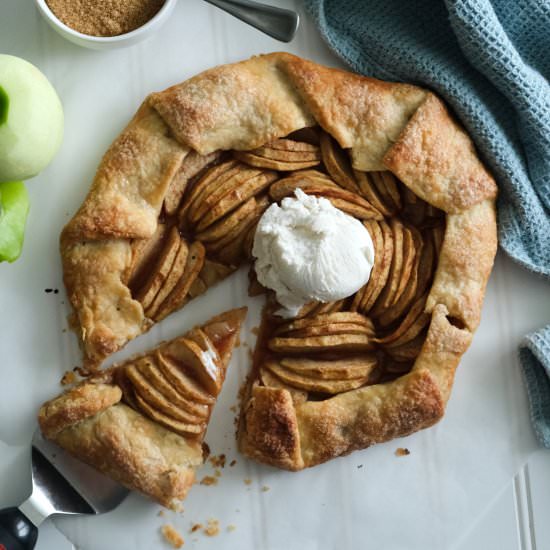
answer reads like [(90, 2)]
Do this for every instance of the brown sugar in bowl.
[(119, 28)]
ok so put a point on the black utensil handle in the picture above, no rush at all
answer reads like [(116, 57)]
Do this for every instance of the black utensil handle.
[(17, 532)]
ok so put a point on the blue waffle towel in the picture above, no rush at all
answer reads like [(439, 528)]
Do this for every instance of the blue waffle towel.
[(490, 60)]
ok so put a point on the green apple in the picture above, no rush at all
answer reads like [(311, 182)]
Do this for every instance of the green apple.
[(14, 206), (31, 119)]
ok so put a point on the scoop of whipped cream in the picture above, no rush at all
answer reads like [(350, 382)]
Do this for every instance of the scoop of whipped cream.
[(306, 250)]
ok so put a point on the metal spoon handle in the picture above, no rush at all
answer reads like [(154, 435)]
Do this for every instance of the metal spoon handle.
[(278, 23)]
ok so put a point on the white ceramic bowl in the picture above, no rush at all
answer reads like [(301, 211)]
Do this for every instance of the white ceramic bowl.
[(107, 42)]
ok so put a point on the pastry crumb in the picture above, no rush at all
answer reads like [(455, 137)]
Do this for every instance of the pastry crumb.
[(217, 473), (195, 527), (209, 480), (231, 528), (233, 408), (81, 371), (255, 330), (212, 528), (232, 463), (218, 461), (401, 451), (161, 513), (172, 536), (265, 489), (68, 378), (247, 481)]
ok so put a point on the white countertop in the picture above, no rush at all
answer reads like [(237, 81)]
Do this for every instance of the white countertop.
[(100, 91)]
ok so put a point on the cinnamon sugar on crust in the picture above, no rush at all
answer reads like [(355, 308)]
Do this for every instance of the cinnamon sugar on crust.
[(172, 536)]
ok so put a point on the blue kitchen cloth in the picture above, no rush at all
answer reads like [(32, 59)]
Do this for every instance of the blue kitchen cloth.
[(490, 60)]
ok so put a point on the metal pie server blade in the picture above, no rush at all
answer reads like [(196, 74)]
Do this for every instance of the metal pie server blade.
[(61, 484)]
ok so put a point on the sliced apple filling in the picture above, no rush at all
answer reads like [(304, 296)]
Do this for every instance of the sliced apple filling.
[(206, 230)]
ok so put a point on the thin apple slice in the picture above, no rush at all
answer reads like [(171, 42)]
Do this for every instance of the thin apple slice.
[(159, 272), (204, 360), (268, 379), (410, 292), (387, 295), (409, 253), (369, 191), (343, 317), (397, 367), (234, 252), (330, 329), (341, 342), (197, 353), (238, 230), (313, 384), (144, 251), (219, 229), (210, 274), (195, 412), (178, 295), (337, 163), (328, 307), (313, 183), (408, 351), (184, 384), (377, 237), (176, 271), (382, 275), (155, 399), (192, 165), (236, 196), (205, 186), (239, 178), (418, 325), (413, 314), (333, 369), (169, 422), (282, 155), (386, 186)]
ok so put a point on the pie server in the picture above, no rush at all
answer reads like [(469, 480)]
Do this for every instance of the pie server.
[(61, 484)]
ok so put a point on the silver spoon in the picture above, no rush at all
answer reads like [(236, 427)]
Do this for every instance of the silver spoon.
[(278, 23)]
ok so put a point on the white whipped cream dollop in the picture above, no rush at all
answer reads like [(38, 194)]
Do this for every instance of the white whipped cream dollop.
[(306, 250)]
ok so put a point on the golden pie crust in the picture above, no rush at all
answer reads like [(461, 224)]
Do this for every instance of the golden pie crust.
[(185, 184)]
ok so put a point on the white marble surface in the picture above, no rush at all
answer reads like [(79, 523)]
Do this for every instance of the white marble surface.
[(465, 484)]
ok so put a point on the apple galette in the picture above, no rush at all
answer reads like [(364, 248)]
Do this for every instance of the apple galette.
[(143, 422), (175, 206)]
